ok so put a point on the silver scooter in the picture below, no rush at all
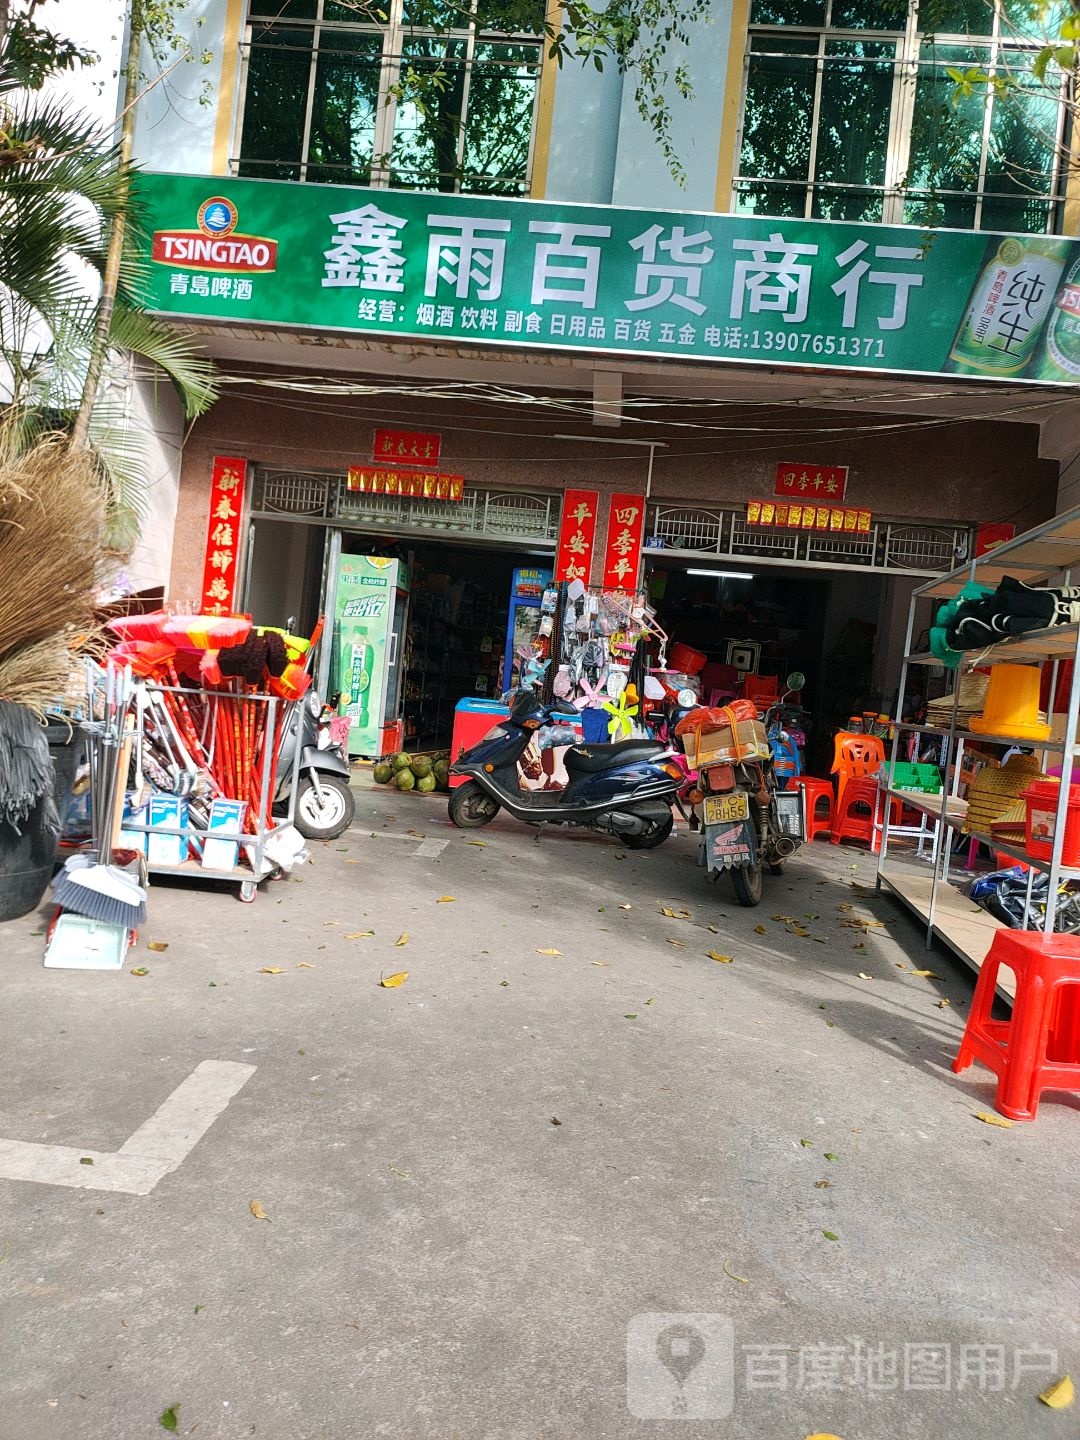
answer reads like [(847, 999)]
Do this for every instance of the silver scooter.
[(325, 801)]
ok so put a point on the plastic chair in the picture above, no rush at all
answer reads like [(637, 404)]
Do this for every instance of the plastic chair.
[(854, 756), (816, 791), (1039, 1047), (762, 690), (849, 823)]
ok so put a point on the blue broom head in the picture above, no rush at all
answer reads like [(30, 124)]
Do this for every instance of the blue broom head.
[(101, 892)]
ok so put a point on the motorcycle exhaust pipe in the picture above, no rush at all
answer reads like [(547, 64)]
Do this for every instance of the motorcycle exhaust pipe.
[(783, 847), (623, 824)]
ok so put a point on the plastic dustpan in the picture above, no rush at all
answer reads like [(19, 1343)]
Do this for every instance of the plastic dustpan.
[(78, 943)]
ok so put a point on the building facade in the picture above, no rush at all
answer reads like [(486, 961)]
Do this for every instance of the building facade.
[(852, 283)]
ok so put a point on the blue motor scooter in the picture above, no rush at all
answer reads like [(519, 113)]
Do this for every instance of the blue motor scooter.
[(626, 789)]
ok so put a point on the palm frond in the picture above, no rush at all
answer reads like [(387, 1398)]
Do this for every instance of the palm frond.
[(193, 374)]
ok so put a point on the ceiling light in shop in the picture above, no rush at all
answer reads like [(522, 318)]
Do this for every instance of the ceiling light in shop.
[(724, 574)]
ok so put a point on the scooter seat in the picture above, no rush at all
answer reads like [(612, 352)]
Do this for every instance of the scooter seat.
[(606, 757)]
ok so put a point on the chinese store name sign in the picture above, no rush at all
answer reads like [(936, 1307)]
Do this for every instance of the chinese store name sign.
[(223, 534), (594, 278), (577, 531)]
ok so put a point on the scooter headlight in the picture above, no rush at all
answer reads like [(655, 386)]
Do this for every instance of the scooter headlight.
[(314, 704)]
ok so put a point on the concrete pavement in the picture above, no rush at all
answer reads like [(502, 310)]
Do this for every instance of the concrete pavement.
[(441, 1260)]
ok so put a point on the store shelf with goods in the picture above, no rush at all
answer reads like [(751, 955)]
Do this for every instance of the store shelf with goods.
[(1044, 557)]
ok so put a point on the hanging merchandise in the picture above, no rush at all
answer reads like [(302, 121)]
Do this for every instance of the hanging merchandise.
[(589, 651), (978, 616)]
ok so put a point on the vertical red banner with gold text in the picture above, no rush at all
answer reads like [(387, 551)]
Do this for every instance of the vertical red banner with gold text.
[(221, 567), (626, 523), (577, 532)]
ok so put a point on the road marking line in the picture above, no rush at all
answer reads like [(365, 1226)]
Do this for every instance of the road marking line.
[(432, 847), (156, 1148)]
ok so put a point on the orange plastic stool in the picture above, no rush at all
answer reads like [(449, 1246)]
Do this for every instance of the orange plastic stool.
[(852, 824), (1039, 1047), (854, 757), (816, 791)]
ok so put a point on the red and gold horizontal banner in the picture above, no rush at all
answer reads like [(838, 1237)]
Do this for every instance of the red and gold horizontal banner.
[(836, 518), (409, 484)]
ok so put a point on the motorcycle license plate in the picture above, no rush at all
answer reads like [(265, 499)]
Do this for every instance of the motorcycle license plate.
[(724, 809)]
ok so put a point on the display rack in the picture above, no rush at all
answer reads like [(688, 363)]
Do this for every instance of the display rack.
[(1048, 555), (251, 842)]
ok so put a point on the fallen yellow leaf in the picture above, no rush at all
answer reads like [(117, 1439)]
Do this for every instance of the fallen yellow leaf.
[(732, 1276), (626, 907), (157, 945), (271, 970), (759, 930), (1060, 1395), (943, 1004), (603, 964), (549, 952), (677, 943), (720, 959), (304, 965), (446, 900), (403, 938), (478, 843), (927, 974), (988, 1118), (256, 1209), (863, 975), (669, 913), (823, 1435), (358, 934), (391, 982)]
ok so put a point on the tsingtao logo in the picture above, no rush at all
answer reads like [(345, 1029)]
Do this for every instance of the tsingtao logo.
[(217, 216), (216, 244)]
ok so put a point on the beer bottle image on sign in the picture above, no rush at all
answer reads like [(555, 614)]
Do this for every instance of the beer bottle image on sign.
[(1006, 309), (1058, 355)]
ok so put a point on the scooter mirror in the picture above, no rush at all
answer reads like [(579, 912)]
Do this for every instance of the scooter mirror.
[(686, 699), (795, 681)]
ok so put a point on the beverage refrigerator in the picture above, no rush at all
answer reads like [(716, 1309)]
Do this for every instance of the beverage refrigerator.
[(371, 611), (526, 592)]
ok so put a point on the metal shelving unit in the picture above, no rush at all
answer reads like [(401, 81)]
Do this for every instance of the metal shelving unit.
[(1048, 555)]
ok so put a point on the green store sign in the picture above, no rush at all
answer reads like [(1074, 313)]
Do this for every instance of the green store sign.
[(611, 281)]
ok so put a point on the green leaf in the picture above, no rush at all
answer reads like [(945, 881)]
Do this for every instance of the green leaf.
[(1041, 61), (829, 1235), (830, 1156), (806, 1144), (630, 1017), (85, 1160), (167, 1419)]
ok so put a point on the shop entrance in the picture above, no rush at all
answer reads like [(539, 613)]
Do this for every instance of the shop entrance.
[(444, 633), (779, 619)]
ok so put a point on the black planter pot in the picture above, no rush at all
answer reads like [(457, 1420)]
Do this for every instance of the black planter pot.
[(27, 859)]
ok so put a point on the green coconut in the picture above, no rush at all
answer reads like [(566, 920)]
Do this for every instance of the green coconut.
[(426, 783), (404, 780), (421, 767), (441, 769), (401, 761), (383, 774)]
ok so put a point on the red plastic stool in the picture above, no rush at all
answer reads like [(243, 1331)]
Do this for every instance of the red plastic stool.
[(815, 791), (1039, 1047), (852, 824)]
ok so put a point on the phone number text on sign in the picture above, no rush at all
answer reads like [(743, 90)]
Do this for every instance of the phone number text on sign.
[(792, 342)]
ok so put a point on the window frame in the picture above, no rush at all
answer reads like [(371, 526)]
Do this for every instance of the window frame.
[(395, 35), (909, 64)]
